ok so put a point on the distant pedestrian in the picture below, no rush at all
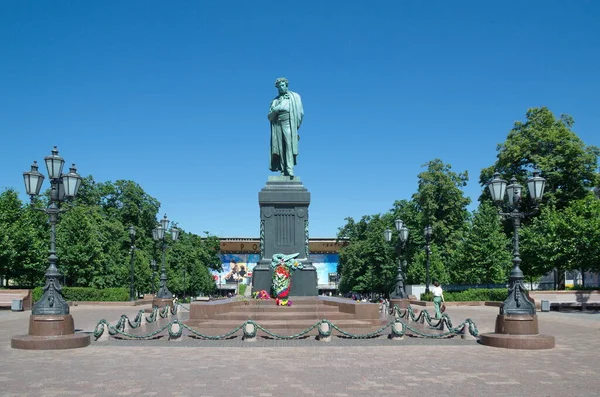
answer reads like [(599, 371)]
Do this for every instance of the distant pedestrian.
[(438, 299)]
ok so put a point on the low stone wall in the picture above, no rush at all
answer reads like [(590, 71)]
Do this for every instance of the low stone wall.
[(465, 303), (361, 310), (208, 310), (7, 296), (138, 302), (567, 299)]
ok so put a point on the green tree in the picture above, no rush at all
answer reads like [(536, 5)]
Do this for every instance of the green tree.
[(79, 250), (190, 260), (367, 263), (550, 145), (440, 200), (24, 241), (482, 255), (567, 239)]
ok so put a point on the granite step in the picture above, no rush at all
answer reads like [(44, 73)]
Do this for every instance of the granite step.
[(292, 308), (294, 325), (296, 301), (283, 315)]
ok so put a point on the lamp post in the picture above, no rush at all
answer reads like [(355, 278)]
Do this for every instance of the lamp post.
[(514, 304), (184, 275), (517, 324), (428, 231), (154, 267), (372, 274), (50, 315), (131, 269), (62, 186), (399, 292), (164, 295)]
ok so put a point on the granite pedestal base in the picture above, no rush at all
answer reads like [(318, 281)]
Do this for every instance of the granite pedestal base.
[(304, 281), (162, 302), (284, 206), (517, 332), (402, 303), (48, 332)]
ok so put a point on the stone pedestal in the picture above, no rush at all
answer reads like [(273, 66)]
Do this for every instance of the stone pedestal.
[(284, 205), (517, 332), (48, 332), (160, 303), (401, 302)]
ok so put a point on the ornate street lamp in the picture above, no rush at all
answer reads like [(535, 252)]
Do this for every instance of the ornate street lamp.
[(50, 319), (62, 186), (184, 276), (154, 267), (163, 294), (517, 325), (427, 232), (131, 269), (399, 291), (515, 304)]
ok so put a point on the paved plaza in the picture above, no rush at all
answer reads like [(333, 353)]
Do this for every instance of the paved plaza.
[(233, 368)]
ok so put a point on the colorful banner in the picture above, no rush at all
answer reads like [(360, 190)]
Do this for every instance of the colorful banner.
[(237, 268), (326, 265)]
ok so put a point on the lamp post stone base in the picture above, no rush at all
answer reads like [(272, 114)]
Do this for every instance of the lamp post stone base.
[(49, 332), (517, 332), (162, 302), (402, 303)]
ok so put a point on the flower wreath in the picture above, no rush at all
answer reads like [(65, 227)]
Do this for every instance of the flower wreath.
[(282, 265)]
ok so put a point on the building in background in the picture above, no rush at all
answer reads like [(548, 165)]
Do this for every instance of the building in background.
[(240, 255)]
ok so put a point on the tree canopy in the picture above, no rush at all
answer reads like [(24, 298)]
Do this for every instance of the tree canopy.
[(93, 243), (549, 145)]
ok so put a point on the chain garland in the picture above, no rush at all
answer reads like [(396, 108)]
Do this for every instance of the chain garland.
[(399, 314)]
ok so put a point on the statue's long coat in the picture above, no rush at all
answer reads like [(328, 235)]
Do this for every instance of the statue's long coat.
[(296, 115)]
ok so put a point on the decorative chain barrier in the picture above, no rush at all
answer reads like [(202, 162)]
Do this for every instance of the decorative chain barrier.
[(325, 327), (138, 320), (424, 315)]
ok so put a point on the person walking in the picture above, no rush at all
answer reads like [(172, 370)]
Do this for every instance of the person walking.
[(438, 299)]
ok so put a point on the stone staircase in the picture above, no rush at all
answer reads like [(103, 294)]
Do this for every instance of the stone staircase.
[(212, 317)]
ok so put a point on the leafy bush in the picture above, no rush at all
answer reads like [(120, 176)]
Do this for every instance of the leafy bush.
[(88, 294), (581, 288), (242, 289), (36, 294), (478, 294)]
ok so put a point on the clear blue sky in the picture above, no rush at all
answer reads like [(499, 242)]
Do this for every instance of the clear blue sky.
[(174, 95)]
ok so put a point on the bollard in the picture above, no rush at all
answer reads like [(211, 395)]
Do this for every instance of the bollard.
[(324, 332), (175, 332), (397, 331), (143, 321), (465, 334), (249, 330), (126, 326), (105, 337)]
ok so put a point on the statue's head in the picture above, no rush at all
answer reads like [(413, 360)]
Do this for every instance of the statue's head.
[(282, 85)]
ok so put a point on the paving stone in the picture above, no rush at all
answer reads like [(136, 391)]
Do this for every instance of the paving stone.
[(342, 367)]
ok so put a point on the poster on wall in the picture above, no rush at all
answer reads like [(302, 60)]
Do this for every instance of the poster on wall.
[(237, 268), (326, 264)]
